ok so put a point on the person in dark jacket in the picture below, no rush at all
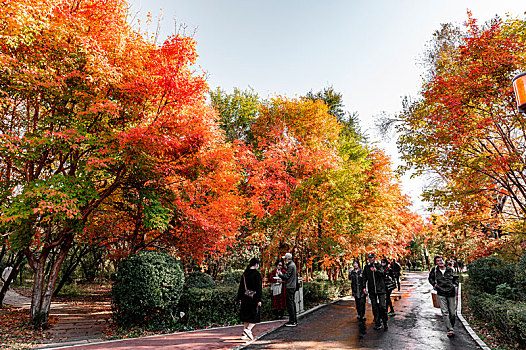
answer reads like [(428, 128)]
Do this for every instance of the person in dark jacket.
[(389, 278), (291, 279), (375, 288), (356, 277), (397, 270), (444, 281), (250, 313)]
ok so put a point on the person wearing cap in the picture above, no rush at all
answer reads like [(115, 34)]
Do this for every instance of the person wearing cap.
[(375, 287), (290, 277)]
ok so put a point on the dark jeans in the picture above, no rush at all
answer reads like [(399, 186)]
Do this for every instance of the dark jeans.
[(291, 305), (397, 279), (388, 302), (360, 305), (379, 309)]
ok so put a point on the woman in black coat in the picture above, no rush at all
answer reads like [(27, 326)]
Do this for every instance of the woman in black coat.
[(250, 281), (389, 279), (357, 285)]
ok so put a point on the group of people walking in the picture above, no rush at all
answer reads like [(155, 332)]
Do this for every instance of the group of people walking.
[(377, 280)]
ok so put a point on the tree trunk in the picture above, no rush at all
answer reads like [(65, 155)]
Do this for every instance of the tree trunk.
[(102, 265), (69, 270), (11, 277), (43, 287), (2, 253)]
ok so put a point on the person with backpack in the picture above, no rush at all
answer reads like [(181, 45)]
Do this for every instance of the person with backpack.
[(249, 295), (375, 287), (444, 281), (290, 277)]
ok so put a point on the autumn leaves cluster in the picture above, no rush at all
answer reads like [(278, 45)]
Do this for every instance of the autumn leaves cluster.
[(464, 131), (108, 138)]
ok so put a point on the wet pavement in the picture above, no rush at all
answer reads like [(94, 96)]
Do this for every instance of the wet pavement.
[(417, 325)]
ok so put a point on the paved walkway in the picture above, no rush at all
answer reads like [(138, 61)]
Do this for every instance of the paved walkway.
[(217, 338), (417, 325), (74, 323)]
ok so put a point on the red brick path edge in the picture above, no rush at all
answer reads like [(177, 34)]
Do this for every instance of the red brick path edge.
[(214, 338)]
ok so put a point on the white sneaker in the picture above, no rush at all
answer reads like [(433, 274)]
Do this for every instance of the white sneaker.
[(248, 333), (244, 337)]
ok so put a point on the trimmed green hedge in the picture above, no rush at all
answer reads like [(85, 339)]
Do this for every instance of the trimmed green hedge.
[(198, 279), (507, 317), (208, 307), (487, 273), (230, 277), (520, 277), (319, 291), (204, 307)]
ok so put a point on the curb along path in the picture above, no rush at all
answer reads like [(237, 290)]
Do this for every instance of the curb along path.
[(213, 338), (466, 324)]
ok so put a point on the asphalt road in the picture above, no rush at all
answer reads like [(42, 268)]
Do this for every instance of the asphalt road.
[(416, 326)]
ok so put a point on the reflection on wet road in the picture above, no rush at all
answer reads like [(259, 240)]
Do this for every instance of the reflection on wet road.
[(417, 325)]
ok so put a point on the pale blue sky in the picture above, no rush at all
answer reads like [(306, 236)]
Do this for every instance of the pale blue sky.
[(367, 50)]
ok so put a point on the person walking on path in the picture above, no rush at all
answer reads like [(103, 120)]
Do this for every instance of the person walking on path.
[(375, 288), (249, 295), (390, 285), (444, 281), (278, 301), (357, 286), (397, 271), (290, 277)]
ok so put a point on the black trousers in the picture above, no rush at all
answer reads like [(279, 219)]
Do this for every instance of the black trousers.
[(379, 308), (291, 305), (388, 302), (360, 305)]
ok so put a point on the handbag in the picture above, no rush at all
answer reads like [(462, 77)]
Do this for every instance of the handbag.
[(390, 285), (276, 288), (435, 299), (249, 293), (434, 293)]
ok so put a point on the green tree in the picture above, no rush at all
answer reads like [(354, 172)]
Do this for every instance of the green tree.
[(237, 112)]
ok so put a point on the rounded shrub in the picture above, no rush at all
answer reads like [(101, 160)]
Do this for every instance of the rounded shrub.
[(198, 279), (487, 273), (505, 291), (230, 277), (146, 290)]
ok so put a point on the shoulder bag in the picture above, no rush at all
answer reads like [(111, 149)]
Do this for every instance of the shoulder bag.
[(249, 293), (434, 292)]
